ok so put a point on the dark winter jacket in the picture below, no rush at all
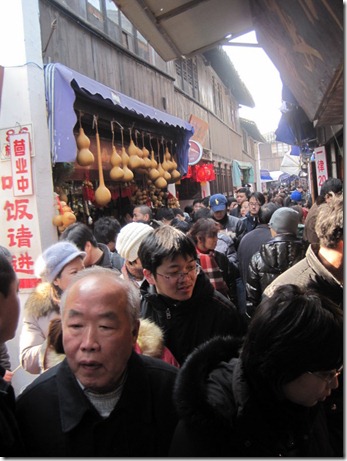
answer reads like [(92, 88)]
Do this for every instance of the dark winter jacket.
[(220, 415), (310, 274), (10, 439), (106, 258), (225, 245), (273, 258), (58, 420), (250, 222), (249, 245), (188, 324)]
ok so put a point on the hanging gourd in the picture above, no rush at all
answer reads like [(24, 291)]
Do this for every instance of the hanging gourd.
[(161, 182), (135, 161), (84, 156), (128, 174), (153, 172), (175, 174), (173, 160), (116, 172), (165, 164), (145, 154), (139, 151), (102, 194), (168, 159)]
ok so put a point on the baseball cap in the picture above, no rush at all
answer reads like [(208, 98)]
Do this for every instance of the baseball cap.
[(218, 202)]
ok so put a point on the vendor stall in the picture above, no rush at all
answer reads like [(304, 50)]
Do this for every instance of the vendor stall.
[(108, 150)]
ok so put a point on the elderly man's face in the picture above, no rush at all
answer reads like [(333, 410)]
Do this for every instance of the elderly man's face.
[(98, 334)]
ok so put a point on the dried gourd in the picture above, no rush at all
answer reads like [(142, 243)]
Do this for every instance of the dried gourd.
[(128, 174), (102, 194), (116, 173), (84, 156), (161, 183)]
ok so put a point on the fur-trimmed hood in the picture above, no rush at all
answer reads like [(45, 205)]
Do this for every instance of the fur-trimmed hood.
[(40, 302), (150, 339), (205, 383)]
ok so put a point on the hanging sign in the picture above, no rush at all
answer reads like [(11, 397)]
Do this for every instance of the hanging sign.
[(321, 166), (21, 164), (195, 152)]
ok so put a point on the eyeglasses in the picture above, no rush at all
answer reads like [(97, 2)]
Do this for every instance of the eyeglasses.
[(194, 270), (327, 376), (254, 203)]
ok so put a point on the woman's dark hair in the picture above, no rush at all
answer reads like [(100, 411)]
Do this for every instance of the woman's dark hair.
[(55, 336), (291, 333), (165, 242), (7, 275), (79, 234), (203, 228)]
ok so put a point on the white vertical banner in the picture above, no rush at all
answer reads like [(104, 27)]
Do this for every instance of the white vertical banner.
[(321, 166), (21, 164)]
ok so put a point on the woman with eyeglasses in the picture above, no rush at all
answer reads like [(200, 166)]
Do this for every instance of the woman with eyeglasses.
[(179, 297), (204, 233), (267, 400)]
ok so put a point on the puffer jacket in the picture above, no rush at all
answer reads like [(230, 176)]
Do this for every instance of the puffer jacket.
[(220, 415), (187, 324), (40, 308), (273, 258)]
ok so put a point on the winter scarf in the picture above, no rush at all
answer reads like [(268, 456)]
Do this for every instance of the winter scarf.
[(209, 265)]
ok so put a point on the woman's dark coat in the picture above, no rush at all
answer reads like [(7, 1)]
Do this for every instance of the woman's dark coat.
[(220, 415)]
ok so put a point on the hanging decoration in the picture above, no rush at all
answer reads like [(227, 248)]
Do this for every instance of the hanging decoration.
[(84, 156), (102, 194), (203, 173)]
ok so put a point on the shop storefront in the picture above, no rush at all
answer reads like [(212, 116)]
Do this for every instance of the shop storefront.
[(108, 150)]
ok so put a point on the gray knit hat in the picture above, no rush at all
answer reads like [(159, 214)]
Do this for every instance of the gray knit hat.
[(53, 260), (285, 221), (129, 239)]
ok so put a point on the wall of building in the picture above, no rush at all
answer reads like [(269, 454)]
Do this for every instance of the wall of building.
[(88, 53)]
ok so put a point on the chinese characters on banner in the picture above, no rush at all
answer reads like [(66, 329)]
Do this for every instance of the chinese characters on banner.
[(321, 166), (18, 211)]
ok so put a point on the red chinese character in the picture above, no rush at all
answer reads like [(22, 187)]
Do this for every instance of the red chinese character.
[(24, 264), (19, 147), (21, 165), (23, 237), (320, 165), (6, 182), (11, 237), (17, 210), (22, 184)]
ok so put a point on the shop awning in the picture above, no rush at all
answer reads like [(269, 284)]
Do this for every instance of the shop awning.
[(62, 118), (242, 170), (265, 175)]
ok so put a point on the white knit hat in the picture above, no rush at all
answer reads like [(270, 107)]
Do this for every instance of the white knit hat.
[(55, 258), (129, 239)]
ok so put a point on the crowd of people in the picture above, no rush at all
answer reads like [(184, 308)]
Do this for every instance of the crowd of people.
[(214, 331)]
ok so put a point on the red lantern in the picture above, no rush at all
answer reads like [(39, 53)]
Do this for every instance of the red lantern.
[(201, 174)]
